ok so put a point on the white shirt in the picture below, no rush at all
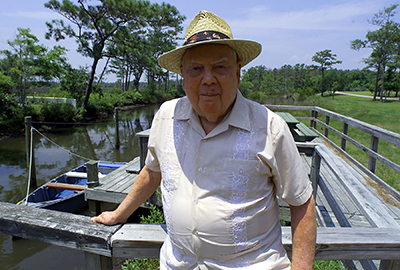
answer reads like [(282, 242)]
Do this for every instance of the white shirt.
[(219, 190)]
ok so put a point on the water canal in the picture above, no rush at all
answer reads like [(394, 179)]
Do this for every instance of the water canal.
[(94, 141)]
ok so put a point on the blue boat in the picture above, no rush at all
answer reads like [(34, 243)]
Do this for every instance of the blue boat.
[(66, 192)]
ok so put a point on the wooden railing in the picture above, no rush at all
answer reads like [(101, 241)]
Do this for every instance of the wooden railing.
[(100, 243), (375, 132)]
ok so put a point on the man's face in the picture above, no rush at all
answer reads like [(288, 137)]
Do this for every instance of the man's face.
[(211, 76)]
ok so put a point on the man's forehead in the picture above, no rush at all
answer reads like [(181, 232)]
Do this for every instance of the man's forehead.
[(218, 52)]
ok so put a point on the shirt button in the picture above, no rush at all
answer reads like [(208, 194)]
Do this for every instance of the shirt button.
[(240, 171), (200, 169), (196, 233), (196, 201)]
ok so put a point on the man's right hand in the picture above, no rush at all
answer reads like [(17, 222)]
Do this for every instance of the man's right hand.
[(108, 218)]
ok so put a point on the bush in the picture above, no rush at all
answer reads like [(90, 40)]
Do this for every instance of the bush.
[(58, 112), (132, 97), (258, 96), (11, 113)]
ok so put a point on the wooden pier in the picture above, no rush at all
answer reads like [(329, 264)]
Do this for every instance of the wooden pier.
[(358, 213), (114, 187)]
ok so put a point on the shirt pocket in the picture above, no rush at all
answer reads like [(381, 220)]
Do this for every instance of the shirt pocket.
[(244, 178)]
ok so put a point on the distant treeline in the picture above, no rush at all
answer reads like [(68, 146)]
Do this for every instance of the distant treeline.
[(298, 81)]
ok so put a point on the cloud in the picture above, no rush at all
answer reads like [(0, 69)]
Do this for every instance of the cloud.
[(351, 16), (41, 15)]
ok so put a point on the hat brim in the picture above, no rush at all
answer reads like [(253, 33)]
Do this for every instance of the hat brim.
[(246, 50)]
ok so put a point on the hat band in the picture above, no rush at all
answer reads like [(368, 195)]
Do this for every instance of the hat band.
[(206, 35)]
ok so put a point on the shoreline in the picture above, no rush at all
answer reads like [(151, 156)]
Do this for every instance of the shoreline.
[(4, 135)]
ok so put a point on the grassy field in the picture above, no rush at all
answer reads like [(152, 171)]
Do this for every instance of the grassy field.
[(385, 115)]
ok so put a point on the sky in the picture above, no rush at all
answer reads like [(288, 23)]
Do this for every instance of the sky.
[(290, 31)]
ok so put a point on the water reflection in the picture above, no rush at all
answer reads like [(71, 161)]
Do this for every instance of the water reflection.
[(95, 141)]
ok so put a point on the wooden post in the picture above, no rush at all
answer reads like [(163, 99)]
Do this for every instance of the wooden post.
[(372, 160), (327, 119), (314, 173), (92, 169), (28, 126), (144, 139), (344, 131), (116, 128), (389, 265), (98, 262), (314, 115)]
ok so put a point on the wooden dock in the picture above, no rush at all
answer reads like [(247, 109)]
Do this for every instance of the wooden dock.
[(358, 213), (113, 188)]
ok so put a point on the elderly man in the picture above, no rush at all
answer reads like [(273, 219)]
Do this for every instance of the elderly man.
[(222, 160)]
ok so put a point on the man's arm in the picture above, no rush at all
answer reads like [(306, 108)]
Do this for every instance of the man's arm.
[(304, 233), (144, 186)]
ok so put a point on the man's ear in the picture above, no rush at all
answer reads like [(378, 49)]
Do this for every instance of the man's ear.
[(239, 67), (183, 79)]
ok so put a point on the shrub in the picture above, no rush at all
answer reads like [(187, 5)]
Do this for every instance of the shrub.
[(258, 97), (132, 97), (11, 113), (58, 112)]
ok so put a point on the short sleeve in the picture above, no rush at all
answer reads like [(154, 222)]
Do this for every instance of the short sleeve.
[(288, 171), (151, 158)]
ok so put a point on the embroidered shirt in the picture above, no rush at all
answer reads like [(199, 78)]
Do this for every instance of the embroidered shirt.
[(220, 190)]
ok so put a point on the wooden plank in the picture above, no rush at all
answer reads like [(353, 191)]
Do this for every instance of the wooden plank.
[(357, 165), (126, 183), (309, 133), (57, 228), (288, 118), (145, 240), (371, 207), (134, 168), (341, 218), (139, 241), (113, 174), (104, 196), (66, 186), (333, 199), (114, 183)]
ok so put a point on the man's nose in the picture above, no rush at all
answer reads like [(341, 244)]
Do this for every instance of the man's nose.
[(208, 77)]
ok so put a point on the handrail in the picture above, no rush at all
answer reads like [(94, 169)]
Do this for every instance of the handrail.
[(101, 243), (376, 133)]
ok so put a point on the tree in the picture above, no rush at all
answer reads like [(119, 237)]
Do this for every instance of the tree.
[(326, 59), (136, 50), (29, 63), (6, 83), (384, 43), (95, 25)]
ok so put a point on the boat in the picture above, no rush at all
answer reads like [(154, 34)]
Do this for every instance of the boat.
[(65, 193)]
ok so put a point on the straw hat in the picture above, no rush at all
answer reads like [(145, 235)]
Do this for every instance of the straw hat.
[(206, 28)]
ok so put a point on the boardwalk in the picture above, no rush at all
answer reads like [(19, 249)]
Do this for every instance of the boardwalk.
[(358, 214)]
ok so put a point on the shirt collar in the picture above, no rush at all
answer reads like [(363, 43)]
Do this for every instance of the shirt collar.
[(240, 115)]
